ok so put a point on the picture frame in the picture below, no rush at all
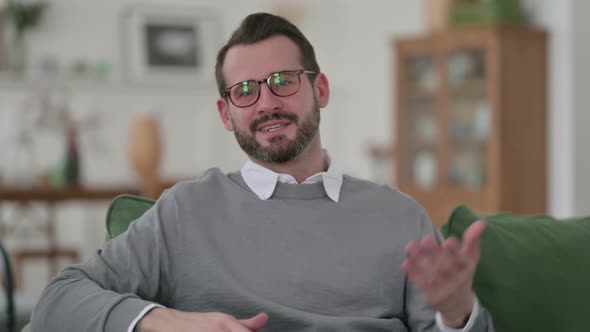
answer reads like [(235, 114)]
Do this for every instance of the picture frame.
[(170, 45)]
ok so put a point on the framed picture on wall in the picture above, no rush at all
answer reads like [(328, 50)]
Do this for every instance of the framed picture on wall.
[(169, 44)]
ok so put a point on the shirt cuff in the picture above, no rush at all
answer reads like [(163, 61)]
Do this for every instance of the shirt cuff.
[(474, 313), (141, 314)]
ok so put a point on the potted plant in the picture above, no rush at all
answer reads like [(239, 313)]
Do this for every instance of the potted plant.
[(19, 17)]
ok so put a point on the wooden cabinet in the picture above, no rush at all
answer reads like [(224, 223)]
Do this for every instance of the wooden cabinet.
[(471, 120)]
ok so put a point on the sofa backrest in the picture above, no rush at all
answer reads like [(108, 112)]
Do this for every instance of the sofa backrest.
[(122, 211), (534, 270)]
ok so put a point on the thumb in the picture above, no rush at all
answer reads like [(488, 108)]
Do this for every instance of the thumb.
[(472, 239), (255, 323)]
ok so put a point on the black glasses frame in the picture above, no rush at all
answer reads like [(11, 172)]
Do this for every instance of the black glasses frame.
[(227, 95)]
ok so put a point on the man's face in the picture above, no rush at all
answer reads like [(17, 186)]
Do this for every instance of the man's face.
[(274, 129), (279, 148)]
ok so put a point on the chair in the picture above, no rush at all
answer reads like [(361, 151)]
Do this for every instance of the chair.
[(9, 291), (122, 211)]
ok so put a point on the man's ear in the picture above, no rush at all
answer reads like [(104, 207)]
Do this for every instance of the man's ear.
[(223, 109), (322, 89)]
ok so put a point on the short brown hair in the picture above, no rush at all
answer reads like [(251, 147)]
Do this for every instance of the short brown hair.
[(258, 27)]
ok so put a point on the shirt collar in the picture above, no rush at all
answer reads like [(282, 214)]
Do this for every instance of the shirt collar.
[(263, 181)]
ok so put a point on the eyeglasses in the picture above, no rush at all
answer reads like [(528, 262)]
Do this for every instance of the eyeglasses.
[(282, 84)]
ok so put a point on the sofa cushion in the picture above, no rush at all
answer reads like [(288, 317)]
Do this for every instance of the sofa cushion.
[(534, 271)]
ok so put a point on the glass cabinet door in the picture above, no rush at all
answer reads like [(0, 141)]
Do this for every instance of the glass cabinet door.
[(420, 121), (469, 119)]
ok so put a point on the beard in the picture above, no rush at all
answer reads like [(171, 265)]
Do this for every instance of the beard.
[(280, 149)]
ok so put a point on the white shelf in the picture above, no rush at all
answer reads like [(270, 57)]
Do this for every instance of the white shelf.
[(10, 82)]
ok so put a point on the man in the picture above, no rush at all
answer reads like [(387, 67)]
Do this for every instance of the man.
[(289, 243)]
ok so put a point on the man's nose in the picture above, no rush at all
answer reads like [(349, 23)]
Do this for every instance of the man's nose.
[(268, 101)]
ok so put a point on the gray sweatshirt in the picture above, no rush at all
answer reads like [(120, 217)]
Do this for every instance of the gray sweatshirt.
[(213, 246)]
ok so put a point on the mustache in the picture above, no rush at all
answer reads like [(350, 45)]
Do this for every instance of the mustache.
[(274, 116)]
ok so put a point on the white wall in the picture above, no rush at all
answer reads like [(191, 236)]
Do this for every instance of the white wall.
[(352, 44), (569, 100), (581, 102), (556, 17), (352, 41)]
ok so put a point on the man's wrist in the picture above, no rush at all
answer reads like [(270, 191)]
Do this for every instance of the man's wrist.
[(142, 324), (456, 323), (137, 327), (459, 318)]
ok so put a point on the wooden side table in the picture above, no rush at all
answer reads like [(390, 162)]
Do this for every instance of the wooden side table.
[(51, 199)]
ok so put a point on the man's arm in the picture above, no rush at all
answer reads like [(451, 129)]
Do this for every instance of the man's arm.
[(109, 291), (116, 286)]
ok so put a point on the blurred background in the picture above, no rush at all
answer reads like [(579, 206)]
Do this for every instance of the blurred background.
[(99, 98)]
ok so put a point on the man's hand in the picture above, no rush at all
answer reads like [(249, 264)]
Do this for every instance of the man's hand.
[(163, 319), (445, 273)]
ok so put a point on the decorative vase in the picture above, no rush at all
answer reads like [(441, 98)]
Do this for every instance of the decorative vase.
[(67, 173), (145, 153), (438, 15), (72, 162)]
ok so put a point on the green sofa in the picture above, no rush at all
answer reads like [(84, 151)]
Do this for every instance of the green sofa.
[(534, 271), (533, 274)]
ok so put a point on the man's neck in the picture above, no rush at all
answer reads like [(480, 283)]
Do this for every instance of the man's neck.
[(309, 162)]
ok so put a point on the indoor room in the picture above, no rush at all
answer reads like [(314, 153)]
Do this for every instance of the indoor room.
[(476, 109)]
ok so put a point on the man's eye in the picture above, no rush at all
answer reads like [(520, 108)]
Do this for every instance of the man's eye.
[(244, 90), (281, 80)]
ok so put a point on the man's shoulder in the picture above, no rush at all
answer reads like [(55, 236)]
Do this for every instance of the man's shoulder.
[(355, 184), (376, 192), (208, 181)]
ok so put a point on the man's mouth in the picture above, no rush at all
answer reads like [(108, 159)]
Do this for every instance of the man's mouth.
[(273, 122), (273, 126)]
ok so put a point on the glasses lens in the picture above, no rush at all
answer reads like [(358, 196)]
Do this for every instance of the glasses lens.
[(284, 83), (245, 93)]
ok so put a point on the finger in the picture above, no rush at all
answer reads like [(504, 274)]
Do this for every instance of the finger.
[(472, 238), (451, 252), (429, 244), (427, 255), (426, 251), (227, 323), (420, 263), (412, 248), (236, 326), (452, 266), (255, 323), (454, 272), (451, 245), (447, 262), (415, 275)]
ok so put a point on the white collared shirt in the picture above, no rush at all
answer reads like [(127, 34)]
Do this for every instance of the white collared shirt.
[(262, 181)]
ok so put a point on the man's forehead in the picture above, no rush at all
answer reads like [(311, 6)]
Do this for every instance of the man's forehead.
[(259, 60)]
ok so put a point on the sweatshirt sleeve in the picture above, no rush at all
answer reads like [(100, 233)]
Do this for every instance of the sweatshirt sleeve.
[(421, 318), (109, 291)]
